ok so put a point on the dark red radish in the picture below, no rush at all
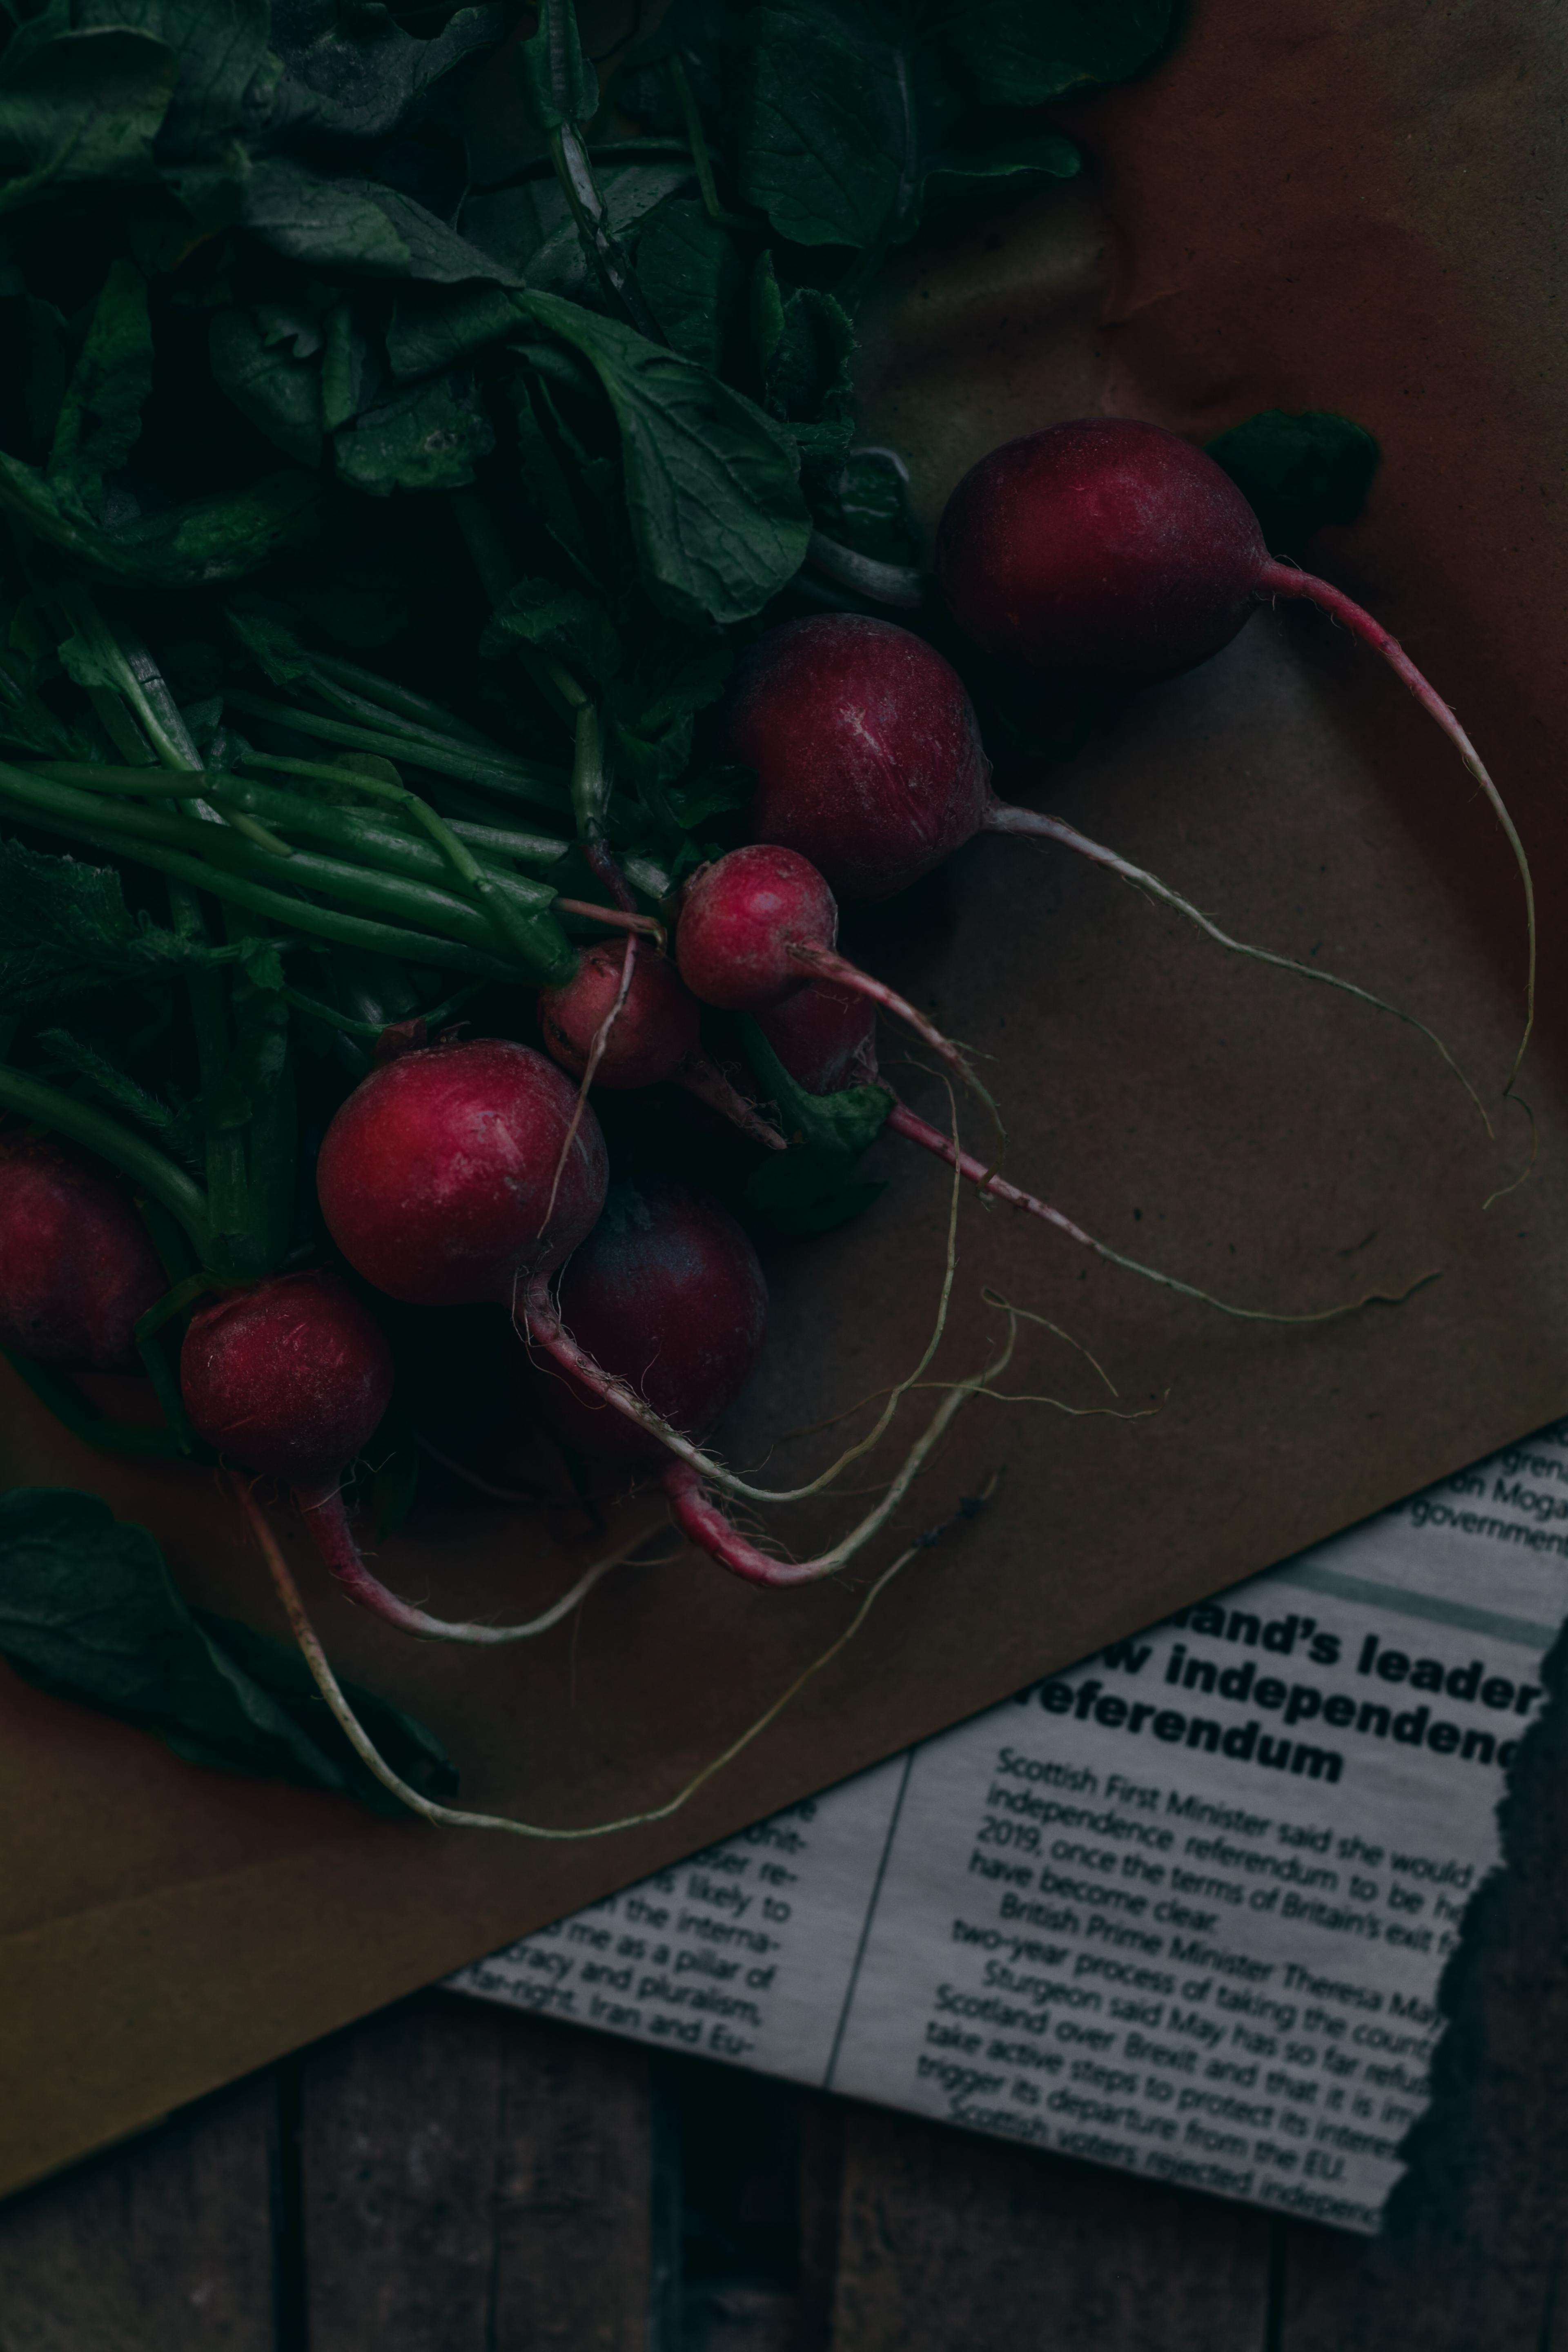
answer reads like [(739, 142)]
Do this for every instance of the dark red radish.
[(1105, 554), (78, 1268), (825, 1036), (668, 1294), (656, 1027), (866, 751), (870, 662), (757, 924), (441, 1178), (660, 1317), (645, 1037)]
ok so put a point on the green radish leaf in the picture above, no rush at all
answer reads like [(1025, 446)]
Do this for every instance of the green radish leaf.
[(226, 75), (431, 437), (866, 506), (350, 69), (1025, 52), (34, 365), (805, 1189), (81, 106), (711, 485), (555, 620), (101, 414), (1298, 472), (66, 932), (559, 85), (271, 370), (807, 375), (357, 224), (90, 1612), (172, 547), (693, 273), (848, 111), (529, 228)]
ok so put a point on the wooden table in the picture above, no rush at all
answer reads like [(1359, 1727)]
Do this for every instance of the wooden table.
[(448, 2176)]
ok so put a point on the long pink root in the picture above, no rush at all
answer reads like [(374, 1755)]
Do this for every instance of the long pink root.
[(328, 1522), (1282, 579)]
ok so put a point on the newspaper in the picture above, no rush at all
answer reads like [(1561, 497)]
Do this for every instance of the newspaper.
[(1181, 1909)]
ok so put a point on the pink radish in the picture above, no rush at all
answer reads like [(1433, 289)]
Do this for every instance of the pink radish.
[(838, 715), (758, 924), (436, 1176), (668, 1294), (1105, 553), (78, 1268)]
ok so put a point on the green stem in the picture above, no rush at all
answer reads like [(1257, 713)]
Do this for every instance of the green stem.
[(134, 1157), (605, 251), (357, 886), (696, 139), (516, 779), (541, 848), (228, 1191), (403, 702), (554, 962), (365, 1032)]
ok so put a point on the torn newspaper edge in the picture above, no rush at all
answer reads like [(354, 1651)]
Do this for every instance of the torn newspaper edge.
[(1181, 1909)]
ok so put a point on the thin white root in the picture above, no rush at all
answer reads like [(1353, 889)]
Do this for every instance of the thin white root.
[(455, 1817)]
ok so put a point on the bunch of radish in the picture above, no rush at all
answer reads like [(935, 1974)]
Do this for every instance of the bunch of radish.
[(1104, 556)]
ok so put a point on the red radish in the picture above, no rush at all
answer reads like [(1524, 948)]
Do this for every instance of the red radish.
[(436, 1176), (290, 1378), (654, 1029), (78, 1268), (667, 1294), (652, 1036), (867, 753), (1107, 554), (817, 760), (758, 924)]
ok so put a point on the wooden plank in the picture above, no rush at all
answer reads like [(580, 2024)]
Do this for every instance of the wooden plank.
[(955, 2243), (476, 2180), (163, 2242)]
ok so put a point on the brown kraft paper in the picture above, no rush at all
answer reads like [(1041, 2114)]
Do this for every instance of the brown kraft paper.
[(1323, 204)]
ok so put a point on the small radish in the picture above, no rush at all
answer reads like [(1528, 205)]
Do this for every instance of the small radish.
[(667, 1293), (758, 924), (436, 1176), (1105, 553), (651, 1036), (655, 1030), (78, 1268), (290, 1379), (838, 717)]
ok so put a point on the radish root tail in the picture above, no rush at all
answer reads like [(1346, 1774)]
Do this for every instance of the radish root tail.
[(327, 1523), (1283, 580), (454, 1817), (1002, 818)]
